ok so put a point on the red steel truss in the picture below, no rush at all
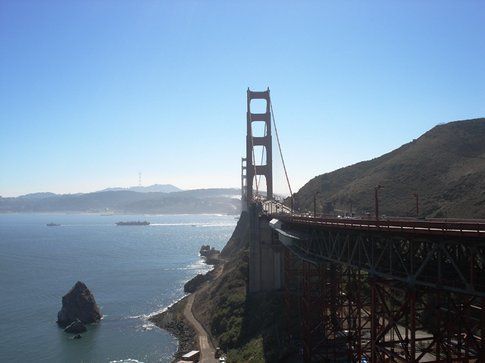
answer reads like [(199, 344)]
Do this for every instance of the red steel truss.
[(367, 296)]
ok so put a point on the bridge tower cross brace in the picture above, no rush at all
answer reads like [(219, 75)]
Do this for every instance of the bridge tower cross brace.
[(252, 168)]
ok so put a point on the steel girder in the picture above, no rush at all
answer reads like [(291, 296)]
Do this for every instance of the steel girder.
[(451, 264), (374, 298)]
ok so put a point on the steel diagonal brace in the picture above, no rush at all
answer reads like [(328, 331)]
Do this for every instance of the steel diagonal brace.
[(392, 321), (403, 265), (458, 271), (333, 245), (355, 248), (426, 260), (369, 260), (345, 247), (379, 258)]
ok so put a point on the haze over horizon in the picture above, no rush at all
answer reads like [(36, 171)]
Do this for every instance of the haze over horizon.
[(91, 93), (129, 188), (116, 187)]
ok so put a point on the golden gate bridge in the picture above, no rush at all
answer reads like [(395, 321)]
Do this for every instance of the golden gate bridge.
[(363, 289)]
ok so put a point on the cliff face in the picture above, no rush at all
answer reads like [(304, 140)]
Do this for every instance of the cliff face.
[(239, 239), (247, 327), (220, 307), (445, 166)]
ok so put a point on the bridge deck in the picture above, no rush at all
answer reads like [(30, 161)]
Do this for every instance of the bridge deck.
[(466, 229)]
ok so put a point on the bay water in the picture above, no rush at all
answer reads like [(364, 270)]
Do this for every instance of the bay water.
[(133, 272)]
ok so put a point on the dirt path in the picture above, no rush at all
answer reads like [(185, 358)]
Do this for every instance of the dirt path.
[(207, 351)]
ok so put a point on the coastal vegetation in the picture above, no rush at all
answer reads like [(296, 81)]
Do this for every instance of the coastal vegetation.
[(247, 327), (445, 167)]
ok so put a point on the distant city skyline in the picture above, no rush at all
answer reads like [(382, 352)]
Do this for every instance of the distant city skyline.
[(92, 93)]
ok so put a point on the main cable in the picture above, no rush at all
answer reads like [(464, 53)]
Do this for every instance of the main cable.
[(281, 152)]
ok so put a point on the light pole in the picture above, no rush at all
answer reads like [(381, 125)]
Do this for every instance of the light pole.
[(315, 204), (416, 195), (376, 199)]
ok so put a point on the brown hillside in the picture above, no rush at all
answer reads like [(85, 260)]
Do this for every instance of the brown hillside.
[(445, 166)]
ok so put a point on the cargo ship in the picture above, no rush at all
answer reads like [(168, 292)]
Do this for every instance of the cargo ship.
[(52, 225), (133, 223)]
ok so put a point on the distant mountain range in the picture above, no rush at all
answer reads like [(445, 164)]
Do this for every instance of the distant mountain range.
[(445, 167), (160, 188), (37, 195), (223, 201)]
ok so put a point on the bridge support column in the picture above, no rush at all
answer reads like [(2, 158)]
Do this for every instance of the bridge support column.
[(254, 283), (361, 317), (326, 313), (265, 140), (482, 330), (244, 199), (306, 309), (265, 253), (374, 320)]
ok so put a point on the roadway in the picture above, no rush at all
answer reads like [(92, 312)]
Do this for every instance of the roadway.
[(207, 351), (467, 228)]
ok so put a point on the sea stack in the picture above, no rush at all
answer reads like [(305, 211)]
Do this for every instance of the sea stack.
[(78, 304)]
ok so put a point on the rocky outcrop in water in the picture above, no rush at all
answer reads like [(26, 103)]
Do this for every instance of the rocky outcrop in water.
[(76, 327), (211, 255), (78, 304)]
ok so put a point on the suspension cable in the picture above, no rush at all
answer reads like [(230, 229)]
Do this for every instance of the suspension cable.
[(279, 147)]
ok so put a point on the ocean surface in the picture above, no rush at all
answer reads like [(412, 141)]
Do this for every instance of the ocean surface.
[(133, 271)]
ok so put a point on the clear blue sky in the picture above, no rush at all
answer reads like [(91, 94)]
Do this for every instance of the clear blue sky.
[(92, 92)]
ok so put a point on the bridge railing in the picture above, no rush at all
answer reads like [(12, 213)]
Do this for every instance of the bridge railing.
[(462, 228)]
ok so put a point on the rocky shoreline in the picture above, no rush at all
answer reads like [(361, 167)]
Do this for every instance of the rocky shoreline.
[(173, 319)]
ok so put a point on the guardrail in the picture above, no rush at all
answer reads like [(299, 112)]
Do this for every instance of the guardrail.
[(452, 228)]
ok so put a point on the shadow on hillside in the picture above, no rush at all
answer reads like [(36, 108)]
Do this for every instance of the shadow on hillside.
[(250, 327), (265, 316)]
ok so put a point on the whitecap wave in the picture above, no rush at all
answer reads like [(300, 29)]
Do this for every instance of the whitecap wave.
[(197, 265), (200, 265), (196, 224), (142, 316), (218, 225), (147, 326), (145, 317), (162, 310), (173, 224), (144, 323), (128, 360)]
